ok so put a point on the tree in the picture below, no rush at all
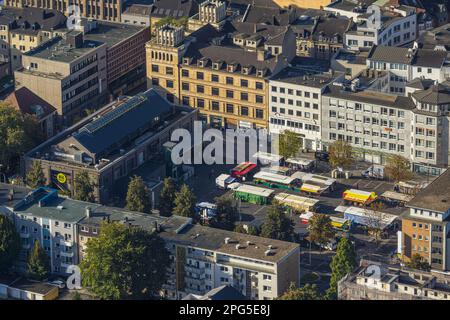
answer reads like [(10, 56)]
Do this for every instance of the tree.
[(277, 225), (38, 263), (167, 197), (343, 262), (289, 143), (138, 195), (18, 134), (226, 213), (340, 153), (320, 229), (9, 243), (375, 220), (307, 292), (184, 202), (398, 168), (124, 263), (181, 22), (251, 230), (418, 262), (83, 187), (36, 177)]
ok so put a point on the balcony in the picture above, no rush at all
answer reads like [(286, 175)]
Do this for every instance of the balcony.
[(193, 269), (66, 242)]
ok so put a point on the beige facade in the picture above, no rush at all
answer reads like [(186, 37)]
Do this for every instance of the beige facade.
[(307, 4), (70, 81)]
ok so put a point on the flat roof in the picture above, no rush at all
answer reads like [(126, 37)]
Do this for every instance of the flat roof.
[(436, 196), (303, 77), (112, 33), (18, 193), (58, 49)]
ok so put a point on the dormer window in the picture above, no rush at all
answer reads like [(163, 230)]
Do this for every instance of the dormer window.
[(260, 73), (231, 67), (187, 61)]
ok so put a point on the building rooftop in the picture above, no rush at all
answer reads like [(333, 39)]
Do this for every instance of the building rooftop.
[(420, 83), (11, 195), (368, 96), (435, 196), (214, 239), (30, 20), (225, 292), (139, 10), (435, 38), (304, 77), (174, 8), (58, 49), (46, 203), (130, 116), (419, 57), (435, 94), (29, 103), (33, 286), (269, 15), (111, 33)]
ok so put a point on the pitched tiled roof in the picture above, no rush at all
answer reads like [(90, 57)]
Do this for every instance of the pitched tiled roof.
[(27, 102), (436, 94)]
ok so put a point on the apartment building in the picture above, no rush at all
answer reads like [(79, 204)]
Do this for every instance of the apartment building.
[(42, 215), (223, 73), (103, 10), (407, 64), (68, 72), (202, 258), (22, 29), (110, 143), (374, 123), (425, 228), (376, 24), (320, 34), (393, 283), (295, 97)]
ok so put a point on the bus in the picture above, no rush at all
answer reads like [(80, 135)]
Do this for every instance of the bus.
[(253, 194), (296, 203), (359, 197), (243, 171), (273, 180)]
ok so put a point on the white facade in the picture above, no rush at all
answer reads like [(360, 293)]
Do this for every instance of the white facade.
[(295, 106)]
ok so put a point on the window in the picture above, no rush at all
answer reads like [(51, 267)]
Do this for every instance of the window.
[(267, 277), (185, 73), (230, 108), (185, 86), (259, 98), (244, 96), (215, 91), (230, 94), (259, 85), (155, 68), (259, 113), (214, 78), (229, 80), (200, 89), (244, 83), (200, 103), (169, 70), (244, 111), (215, 106), (169, 83), (267, 288), (200, 75)]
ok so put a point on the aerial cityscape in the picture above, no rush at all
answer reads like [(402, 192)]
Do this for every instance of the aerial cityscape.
[(191, 150)]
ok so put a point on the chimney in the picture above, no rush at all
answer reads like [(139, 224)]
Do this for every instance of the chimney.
[(88, 212), (260, 55)]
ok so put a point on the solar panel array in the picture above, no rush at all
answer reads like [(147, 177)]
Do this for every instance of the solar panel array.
[(112, 115)]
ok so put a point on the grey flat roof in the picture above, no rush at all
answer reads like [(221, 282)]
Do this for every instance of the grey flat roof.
[(373, 97), (303, 77), (57, 49), (112, 33), (72, 210), (19, 194), (436, 196)]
